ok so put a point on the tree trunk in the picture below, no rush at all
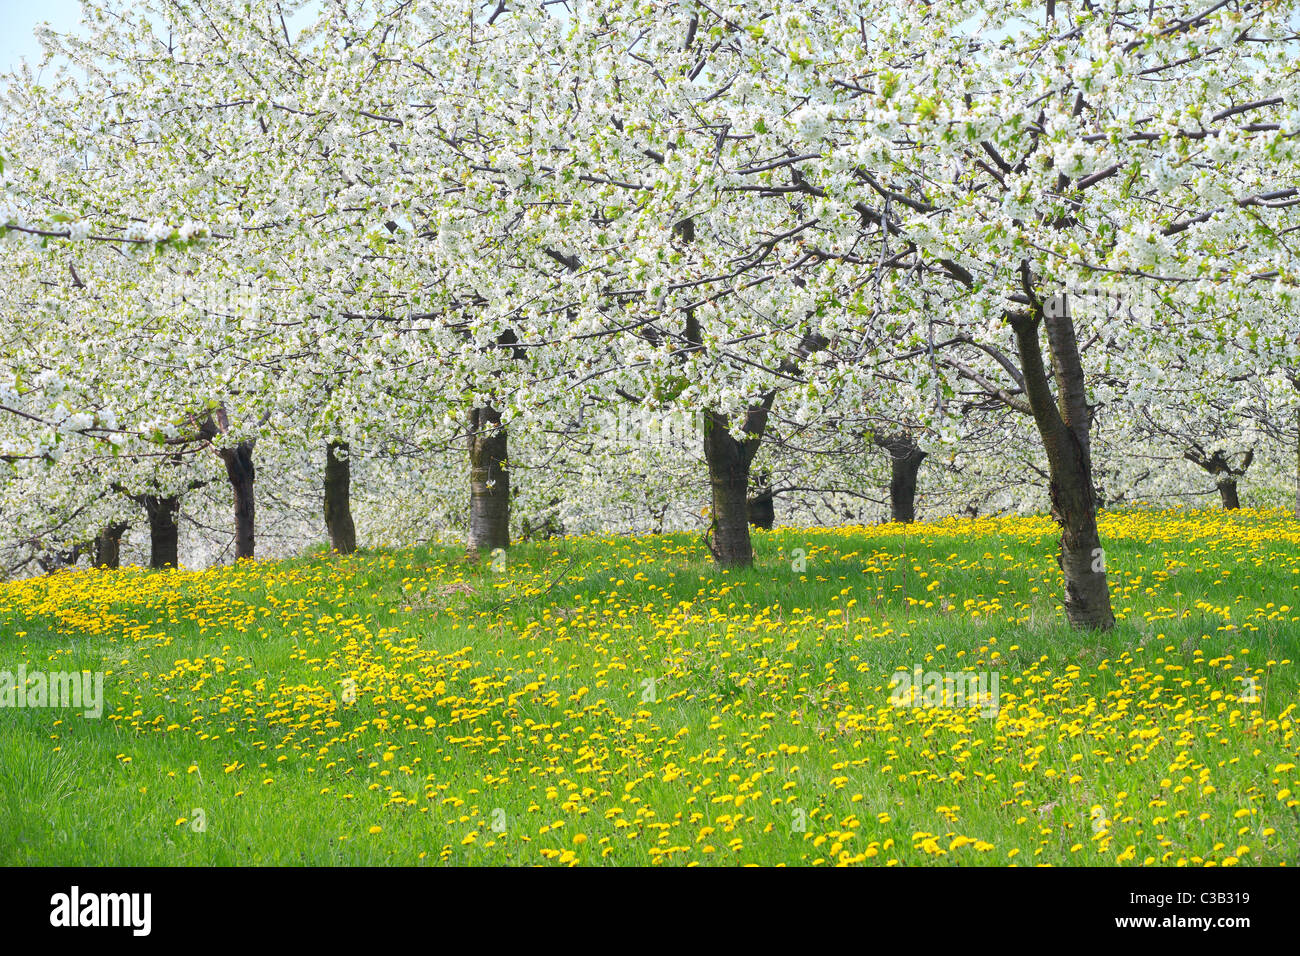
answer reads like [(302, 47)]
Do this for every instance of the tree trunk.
[(1297, 462), (52, 561), (1228, 494), (1225, 475), (239, 469), (108, 546), (762, 510), (729, 462), (762, 503), (904, 462), (489, 482), (729, 480), (164, 533), (1064, 425), (338, 498)]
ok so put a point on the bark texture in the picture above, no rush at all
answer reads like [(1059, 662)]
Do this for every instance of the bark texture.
[(239, 469), (729, 460), (489, 482), (1225, 475), (1064, 422), (338, 498), (164, 532), (1228, 494), (108, 546), (762, 510), (905, 459), (762, 503)]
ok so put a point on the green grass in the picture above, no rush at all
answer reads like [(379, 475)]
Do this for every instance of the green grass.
[(621, 701)]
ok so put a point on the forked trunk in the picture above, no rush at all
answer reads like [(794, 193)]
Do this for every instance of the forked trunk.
[(729, 459), (338, 498), (489, 482), (905, 459), (1225, 475), (1064, 424)]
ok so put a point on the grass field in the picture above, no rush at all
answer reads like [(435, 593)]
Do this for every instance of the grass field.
[(619, 700)]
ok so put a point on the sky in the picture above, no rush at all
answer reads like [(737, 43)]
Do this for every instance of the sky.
[(18, 17)]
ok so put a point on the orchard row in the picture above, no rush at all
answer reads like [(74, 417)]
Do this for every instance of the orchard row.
[(627, 257)]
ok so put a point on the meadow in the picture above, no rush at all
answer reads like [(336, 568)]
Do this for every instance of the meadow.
[(619, 700)]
